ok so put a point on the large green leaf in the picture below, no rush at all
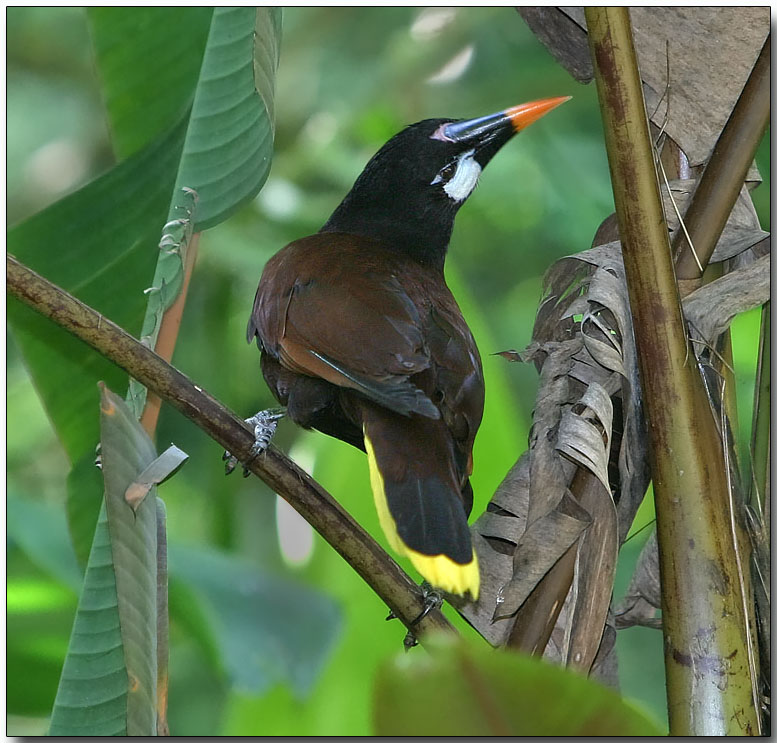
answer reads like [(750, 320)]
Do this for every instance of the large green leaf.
[(471, 690), (228, 147), (258, 629), (126, 453), (148, 60), (108, 683), (267, 630), (92, 694), (41, 532), (229, 142), (99, 243)]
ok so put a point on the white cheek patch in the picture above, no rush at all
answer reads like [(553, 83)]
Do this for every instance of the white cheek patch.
[(465, 179)]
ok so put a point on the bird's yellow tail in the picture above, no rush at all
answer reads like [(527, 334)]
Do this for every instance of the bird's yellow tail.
[(437, 518)]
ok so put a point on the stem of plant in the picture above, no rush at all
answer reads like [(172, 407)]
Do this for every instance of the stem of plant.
[(315, 504), (703, 585), (168, 335), (725, 172), (164, 347), (760, 446)]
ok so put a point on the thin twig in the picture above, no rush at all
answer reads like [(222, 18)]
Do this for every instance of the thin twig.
[(657, 156), (679, 216)]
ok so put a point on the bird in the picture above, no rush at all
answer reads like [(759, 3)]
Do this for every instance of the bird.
[(362, 339)]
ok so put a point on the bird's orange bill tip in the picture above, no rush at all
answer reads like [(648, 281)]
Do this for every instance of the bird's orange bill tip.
[(527, 113)]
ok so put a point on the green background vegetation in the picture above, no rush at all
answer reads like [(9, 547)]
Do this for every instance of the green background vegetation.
[(349, 78)]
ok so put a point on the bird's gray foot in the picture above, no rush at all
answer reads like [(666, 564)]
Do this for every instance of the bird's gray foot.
[(263, 424)]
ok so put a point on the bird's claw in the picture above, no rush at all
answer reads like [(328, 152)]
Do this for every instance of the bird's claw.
[(433, 599), (263, 424)]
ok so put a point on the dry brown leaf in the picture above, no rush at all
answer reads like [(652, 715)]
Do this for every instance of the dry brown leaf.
[(711, 308), (742, 230), (591, 592), (168, 462), (583, 345), (537, 551), (643, 597), (711, 52), (585, 431), (563, 37), (587, 413), (604, 280)]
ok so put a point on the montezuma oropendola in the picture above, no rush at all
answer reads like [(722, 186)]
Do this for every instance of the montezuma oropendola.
[(361, 338)]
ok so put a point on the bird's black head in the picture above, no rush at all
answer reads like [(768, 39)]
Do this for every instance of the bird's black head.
[(408, 194)]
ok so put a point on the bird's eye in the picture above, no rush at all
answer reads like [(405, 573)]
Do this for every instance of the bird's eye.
[(460, 176), (445, 175), (448, 172)]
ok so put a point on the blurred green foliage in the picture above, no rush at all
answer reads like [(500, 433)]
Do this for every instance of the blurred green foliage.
[(349, 78), (499, 694)]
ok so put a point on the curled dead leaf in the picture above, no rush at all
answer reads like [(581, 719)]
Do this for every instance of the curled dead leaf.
[(167, 463)]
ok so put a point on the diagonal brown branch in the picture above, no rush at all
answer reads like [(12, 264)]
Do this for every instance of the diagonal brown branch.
[(315, 504)]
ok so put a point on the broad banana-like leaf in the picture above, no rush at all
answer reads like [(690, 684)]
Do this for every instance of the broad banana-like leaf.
[(265, 629), (92, 694), (100, 244), (148, 60), (227, 151), (108, 682), (462, 690)]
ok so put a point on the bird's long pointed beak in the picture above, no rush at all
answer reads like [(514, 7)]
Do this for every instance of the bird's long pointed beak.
[(527, 113), (518, 117)]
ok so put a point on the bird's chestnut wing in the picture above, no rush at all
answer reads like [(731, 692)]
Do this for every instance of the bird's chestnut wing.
[(325, 314)]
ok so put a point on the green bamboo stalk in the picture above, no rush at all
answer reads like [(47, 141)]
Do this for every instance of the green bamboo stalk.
[(708, 654), (760, 493), (761, 432)]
